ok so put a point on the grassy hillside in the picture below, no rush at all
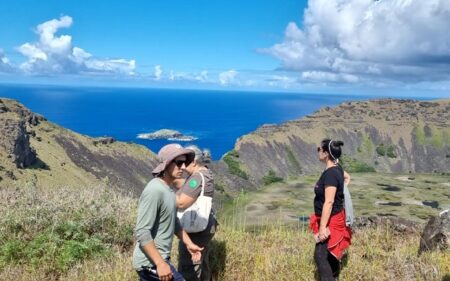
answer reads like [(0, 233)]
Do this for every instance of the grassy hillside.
[(410, 196), (86, 234)]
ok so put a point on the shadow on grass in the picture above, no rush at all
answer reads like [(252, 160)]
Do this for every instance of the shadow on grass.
[(446, 277), (39, 165), (217, 258)]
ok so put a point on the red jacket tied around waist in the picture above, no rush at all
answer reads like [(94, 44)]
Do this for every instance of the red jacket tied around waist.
[(340, 234)]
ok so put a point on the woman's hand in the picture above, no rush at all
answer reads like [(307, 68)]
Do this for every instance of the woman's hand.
[(324, 233), (196, 252)]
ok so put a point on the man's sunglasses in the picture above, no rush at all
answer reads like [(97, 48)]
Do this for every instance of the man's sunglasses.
[(180, 163)]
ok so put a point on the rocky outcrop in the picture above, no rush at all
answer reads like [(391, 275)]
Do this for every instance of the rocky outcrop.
[(436, 234), (103, 140), (380, 135), (14, 140), (396, 224), (167, 134)]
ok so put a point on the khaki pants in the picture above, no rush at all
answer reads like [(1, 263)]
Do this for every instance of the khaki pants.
[(199, 271)]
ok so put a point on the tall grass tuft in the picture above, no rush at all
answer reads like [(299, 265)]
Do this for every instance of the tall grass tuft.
[(51, 230)]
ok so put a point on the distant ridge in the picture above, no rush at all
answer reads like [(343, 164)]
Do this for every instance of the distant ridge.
[(385, 135)]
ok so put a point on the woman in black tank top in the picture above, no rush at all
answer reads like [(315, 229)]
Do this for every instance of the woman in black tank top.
[(328, 221)]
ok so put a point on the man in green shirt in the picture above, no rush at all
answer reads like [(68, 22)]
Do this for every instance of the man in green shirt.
[(157, 222)]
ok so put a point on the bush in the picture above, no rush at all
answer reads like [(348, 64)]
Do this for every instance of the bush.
[(386, 151), (381, 150), (390, 152), (271, 177), (11, 251)]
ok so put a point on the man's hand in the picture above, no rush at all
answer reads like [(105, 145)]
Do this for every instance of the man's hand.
[(196, 252), (164, 272)]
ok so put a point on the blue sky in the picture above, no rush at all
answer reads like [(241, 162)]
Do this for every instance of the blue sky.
[(351, 46)]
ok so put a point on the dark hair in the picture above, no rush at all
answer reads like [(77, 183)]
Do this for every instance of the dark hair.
[(333, 147)]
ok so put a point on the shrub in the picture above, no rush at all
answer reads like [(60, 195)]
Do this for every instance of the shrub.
[(352, 165), (11, 251), (381, 150), (390, 152), (271, 177), (386, 151), (218, 186)]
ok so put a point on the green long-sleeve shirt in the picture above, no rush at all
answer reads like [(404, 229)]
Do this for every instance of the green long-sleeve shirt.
[(156, 222)]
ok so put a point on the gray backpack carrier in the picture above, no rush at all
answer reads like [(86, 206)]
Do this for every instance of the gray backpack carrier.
[(348, 205)]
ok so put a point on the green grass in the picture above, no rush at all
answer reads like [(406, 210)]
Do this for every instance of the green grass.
[(438, 138), (420, 134), (292, 159), (55, 229), (366, 149)]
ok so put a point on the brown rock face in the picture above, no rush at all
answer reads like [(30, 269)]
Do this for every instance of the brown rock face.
[(120, 169)]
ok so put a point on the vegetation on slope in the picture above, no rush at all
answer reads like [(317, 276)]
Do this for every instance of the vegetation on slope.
[(234, 167), (51, 230)]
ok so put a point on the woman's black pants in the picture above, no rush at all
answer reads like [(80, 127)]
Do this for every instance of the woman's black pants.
[(328, 266)]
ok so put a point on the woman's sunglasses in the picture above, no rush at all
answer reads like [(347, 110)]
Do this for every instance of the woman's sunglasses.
[(319, 149)]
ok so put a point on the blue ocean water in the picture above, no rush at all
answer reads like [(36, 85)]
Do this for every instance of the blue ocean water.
[(217, 118)]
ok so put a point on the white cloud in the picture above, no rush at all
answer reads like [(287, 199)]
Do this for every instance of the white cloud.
[(227, 77), (5, 65), (282, 81), (172, 75), (56, 54), (202, 76), (369, 41), (158, 72), (322, 76)]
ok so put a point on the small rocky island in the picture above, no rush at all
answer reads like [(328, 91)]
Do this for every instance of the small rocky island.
[(167, 134)]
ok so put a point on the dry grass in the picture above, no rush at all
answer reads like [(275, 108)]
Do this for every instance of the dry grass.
[(270, 252)]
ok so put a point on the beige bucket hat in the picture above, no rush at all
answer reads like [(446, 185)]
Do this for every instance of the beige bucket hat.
[(169, 152)]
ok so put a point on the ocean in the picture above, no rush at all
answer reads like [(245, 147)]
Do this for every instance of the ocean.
[(216, 118)]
